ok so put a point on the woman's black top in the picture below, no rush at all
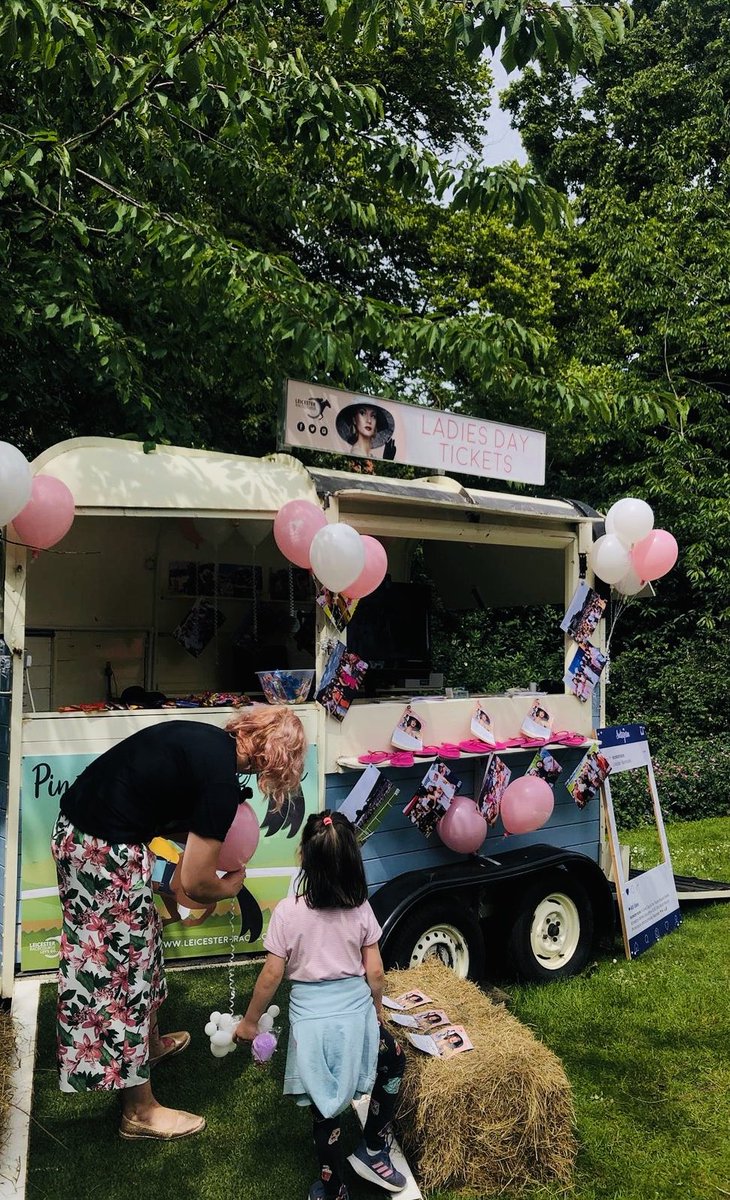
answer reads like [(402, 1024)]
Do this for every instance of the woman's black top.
[(175, 777)]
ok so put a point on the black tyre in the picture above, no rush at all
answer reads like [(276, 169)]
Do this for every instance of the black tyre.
[(441, 930), (551, 933)]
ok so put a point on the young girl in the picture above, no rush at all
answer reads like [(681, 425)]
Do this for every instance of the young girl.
[(325, 940)]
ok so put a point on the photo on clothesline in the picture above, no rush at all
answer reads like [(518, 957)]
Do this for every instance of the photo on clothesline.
[(583, 613), (496, 777), (584, 671), (481, 725), (538, 721), (545, 766), (433, 797), (585, 781), (368, 802), (342, 677), (199, 627), (407, 734), (338, 609)]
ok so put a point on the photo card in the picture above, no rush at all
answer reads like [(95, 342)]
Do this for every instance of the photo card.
[(442, 1043), (198, 628), (496, 777), (408, 733), (337, 608), (584, 671), (369, 801), (341, 678), (538, 722), (585, 781), (432, 798), (481, 725), (545, 766), (583, 613), (409, 1000)]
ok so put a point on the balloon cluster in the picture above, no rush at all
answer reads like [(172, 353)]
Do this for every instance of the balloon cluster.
[(526, 805), (220, 1028), (41, 507), (462, 827), (342, 559), (632, 552), (264, 1044)]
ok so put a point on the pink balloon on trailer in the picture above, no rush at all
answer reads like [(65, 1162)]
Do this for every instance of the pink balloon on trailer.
[(241, 840), (526, 804), (295, 525), (462, 827), (655, 554), (373, 573), (48, 515)]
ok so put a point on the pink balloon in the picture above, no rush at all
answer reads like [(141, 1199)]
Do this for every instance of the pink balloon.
[(295, 525), (462, 827), (655, 554), (241, 840), (526, 804), (48, 515), (373, 573)]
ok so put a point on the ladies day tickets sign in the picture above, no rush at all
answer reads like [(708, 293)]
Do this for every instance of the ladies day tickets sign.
[(321, 418)]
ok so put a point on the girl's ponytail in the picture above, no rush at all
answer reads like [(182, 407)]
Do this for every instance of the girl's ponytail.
[(332, 873)]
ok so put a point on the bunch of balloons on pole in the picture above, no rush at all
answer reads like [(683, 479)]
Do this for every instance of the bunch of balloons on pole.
[(342, 559), (632, 552), (40, 507)]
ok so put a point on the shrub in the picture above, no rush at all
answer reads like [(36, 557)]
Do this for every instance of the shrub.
[(692, 782)]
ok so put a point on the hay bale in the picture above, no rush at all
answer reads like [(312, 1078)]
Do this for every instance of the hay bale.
[(7, 1066), (495, 1118)]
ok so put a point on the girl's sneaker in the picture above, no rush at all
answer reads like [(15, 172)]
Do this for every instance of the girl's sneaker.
[(377, 1168)]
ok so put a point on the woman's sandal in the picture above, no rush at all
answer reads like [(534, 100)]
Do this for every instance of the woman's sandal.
[(373, 757), (401, 758), (566, 737), (174, 1043), (426, 752), (185, 1125), (474, 746), (449, 750)]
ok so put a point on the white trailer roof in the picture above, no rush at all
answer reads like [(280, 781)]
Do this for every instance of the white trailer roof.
[(109, 475)]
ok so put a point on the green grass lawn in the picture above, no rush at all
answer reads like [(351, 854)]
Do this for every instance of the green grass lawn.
[(645, 1044)]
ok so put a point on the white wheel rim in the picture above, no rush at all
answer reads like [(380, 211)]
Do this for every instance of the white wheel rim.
[(555, 931), (446, 944)]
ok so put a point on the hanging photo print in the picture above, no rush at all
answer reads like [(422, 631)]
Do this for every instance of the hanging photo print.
[(337, 608), (433, 797), (538, 722), (584, 671), (587, 777), (407, 734), (583, 614), (481, 725), (496, 778), (368, 802), (545, 766), (196, 629), (341, 678)]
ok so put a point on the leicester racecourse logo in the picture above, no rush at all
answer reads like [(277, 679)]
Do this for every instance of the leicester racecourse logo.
[(315, 407)]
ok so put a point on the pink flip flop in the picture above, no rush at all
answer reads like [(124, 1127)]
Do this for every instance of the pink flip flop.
[(512, 743), (374, 756), (402, 758), (474, 746), (449, 750), (533, 743), (567, 738), (426, 752)]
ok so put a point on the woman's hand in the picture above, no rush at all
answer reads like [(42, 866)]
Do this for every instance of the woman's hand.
[(232, 882), (245, 1030)]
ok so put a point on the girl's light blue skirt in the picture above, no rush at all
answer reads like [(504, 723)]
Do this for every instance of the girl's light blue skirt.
[(333, 1043)]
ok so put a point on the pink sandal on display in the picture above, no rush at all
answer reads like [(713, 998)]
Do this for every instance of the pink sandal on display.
[(426, 752), (513, 744), (402, 758), (474, 746), (567, 738), (533, 743), (373, 757), (449, 750)]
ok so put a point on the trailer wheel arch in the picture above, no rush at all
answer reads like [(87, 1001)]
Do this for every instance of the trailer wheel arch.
[(443, 928)]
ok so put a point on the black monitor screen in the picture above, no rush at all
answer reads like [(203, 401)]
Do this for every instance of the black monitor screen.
[(390, 628)]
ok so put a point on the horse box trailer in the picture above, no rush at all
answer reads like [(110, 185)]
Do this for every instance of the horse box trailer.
[(169, 582)]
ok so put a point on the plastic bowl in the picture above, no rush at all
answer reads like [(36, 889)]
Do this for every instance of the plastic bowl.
[(286, 687)]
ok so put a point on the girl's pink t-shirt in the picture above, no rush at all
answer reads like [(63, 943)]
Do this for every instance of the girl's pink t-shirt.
[(320, 943)]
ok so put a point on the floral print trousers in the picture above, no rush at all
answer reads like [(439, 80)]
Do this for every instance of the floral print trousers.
[(111, 976)]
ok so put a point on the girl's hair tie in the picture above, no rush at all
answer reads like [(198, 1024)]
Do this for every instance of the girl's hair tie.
[(327, 821)]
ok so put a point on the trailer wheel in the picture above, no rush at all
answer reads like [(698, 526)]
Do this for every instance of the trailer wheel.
[(445, 932), (552, 934)]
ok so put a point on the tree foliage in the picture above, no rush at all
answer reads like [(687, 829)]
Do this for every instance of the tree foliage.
[(199, 198)]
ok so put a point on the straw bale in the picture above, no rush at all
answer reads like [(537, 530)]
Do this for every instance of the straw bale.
[(498, 1117), (7, 1064)]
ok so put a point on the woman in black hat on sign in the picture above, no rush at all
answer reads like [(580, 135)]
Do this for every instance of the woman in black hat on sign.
[(366, 427)]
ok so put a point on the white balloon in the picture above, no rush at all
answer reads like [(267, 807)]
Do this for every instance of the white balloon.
[(610, 559), (630, 584), (232, 1048), (226, 1021), (221, 1037), (215, 1016), (337, 555), (215, 530), (16, 482), (210, 1029), (265, 1023), (630, 520), (219, 1051), (274, 1010)]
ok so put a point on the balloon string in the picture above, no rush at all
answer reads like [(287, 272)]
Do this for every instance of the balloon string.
[(232, 958)]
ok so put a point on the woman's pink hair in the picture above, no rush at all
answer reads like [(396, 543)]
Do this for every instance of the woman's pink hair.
[(270, 739)]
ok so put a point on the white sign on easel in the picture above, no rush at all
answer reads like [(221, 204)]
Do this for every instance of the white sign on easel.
[(648, 904)]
